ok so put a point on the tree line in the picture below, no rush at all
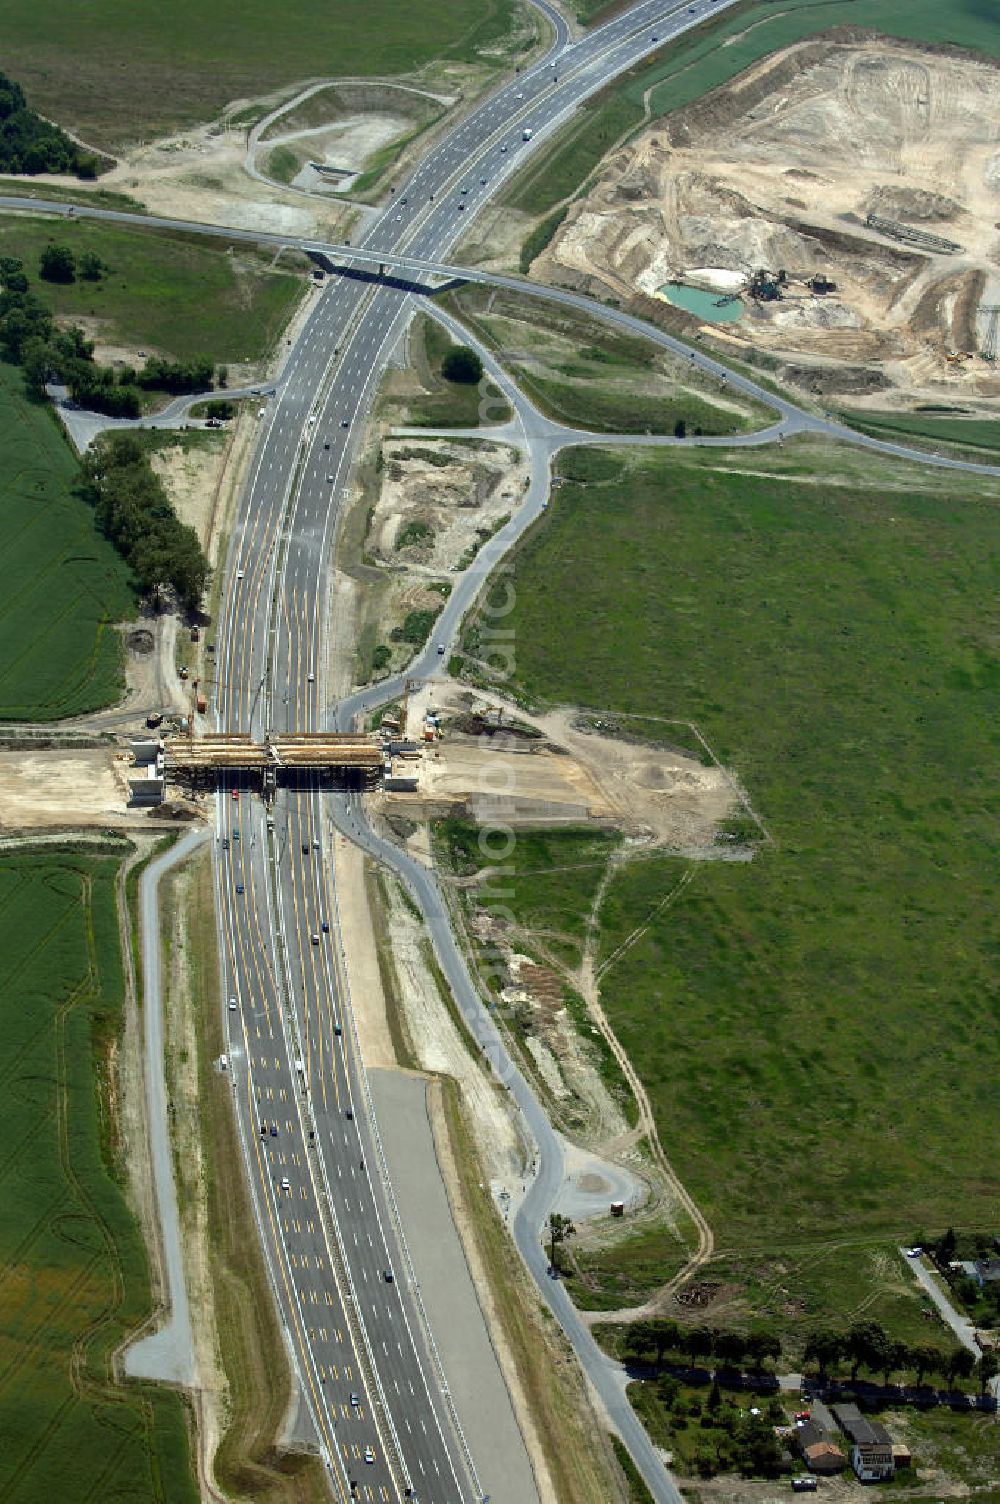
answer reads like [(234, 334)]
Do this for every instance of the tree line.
[(30, 338), (132, 509), (31, 145), (658, 1337), (866, 1345)]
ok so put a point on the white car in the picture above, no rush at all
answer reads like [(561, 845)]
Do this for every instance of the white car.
[(311, 678), (286, 1184), (232, 1005), (369, 1455), (239, 574)]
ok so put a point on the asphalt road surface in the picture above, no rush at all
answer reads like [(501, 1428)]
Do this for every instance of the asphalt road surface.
[(323, 1206), (365, 1361)]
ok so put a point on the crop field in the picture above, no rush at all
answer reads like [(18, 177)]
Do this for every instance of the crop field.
[(180, 295), (808, 1025), (62, 585), (114, 72), (75, 1279), (711, 55)]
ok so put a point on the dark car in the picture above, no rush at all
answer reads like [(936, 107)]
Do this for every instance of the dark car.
[(274, 1130), (348, 1112), (325, 927), (240, 888), (305, 848)]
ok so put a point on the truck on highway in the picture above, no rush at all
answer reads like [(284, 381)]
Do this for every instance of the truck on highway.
[(527, 133)]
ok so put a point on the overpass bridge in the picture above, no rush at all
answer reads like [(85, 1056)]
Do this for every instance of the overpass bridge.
[(232, 757)]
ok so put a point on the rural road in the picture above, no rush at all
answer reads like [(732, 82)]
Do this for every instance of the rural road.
[(167, 1355), (364, 1358)]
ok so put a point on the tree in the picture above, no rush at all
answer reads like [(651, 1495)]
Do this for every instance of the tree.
[(824, 1348), (988, 1368), (462, 365), (960, 1365), (638, 1339), (730, 1346), (665, 1334), (945, 1247), (866, 1344), (925, 1358), (761, 1346), (560, 1230), (895, 1356), (92, 268), (698, 1341), (57, 264)]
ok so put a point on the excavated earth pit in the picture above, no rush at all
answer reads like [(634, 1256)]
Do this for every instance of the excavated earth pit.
[(777, 173)]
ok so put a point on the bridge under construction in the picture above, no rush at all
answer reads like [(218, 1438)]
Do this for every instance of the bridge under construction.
[(201, 762)]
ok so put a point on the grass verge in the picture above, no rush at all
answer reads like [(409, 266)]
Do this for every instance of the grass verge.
[(581, 1469), (248, 1461), (976, 438), (582, 374), (443, 404)]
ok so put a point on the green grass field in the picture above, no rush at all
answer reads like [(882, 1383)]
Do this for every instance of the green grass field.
[(63, 585), (977, 437), (580, 373), (713, 54), (181, 295), (75, 1278), (444, 404), (810, 1026), (115, 72)]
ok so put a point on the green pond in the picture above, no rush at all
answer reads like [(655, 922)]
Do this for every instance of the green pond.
[(702, 304)]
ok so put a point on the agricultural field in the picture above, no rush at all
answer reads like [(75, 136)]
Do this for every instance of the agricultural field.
[(806, 1024), (114, 73), (180, 296), (580, 373), (63, 585), (713, 54), (75, 1280)]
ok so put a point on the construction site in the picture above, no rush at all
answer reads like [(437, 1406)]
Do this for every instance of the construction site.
[(847, 193)]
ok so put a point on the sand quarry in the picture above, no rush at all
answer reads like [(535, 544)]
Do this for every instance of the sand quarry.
[(779, 170)]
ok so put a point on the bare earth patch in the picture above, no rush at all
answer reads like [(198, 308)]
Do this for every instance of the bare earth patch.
[(779, 171), (566, 774)]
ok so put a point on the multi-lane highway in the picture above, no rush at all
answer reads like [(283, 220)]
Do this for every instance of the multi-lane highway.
[(367, 1370), (366, 1366)]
